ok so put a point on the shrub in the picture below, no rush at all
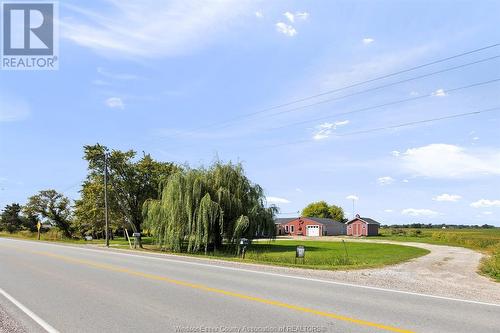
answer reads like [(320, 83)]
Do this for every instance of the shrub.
[(491, 265)]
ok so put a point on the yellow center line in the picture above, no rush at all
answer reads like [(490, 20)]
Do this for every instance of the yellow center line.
[(217, 291)]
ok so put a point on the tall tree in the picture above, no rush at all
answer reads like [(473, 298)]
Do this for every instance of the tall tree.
[(53, 206), (11, 219), (131, 183), (200, 208), (317, 209), (323, 210), (337, 213), (89, 209)]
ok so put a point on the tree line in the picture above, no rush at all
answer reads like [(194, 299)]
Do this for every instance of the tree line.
[(183, 208)]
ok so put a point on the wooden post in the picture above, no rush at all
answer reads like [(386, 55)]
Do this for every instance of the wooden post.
[(128, 238)]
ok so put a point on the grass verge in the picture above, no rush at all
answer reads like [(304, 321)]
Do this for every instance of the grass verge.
[(319, 255)]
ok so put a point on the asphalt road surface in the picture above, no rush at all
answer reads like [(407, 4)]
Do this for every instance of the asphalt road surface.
[(55, 288)]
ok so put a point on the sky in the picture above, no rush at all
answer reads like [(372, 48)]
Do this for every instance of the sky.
[(195, 81)]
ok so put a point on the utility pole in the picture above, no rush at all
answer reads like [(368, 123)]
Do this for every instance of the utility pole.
[(353, 211), (106, 197)]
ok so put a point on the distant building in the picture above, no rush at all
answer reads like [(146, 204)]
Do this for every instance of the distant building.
[(309, 226), (362, 226)]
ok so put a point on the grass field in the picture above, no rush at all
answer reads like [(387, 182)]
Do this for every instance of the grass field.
[(484, 240), (319, 255)]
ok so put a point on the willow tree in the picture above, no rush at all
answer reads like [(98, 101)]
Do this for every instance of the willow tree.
[(199, 209)]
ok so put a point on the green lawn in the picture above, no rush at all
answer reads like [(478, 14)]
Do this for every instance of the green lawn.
[(484, 240), (319, 255), (327, 255)]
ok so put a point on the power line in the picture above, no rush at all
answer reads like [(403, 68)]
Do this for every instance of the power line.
[(410, 99), (377, 129), (356, 84), (418, 122), (381, 87)]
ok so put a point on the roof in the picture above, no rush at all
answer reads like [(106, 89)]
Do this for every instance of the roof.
[(320, 220), (367, 220), (284, 220)]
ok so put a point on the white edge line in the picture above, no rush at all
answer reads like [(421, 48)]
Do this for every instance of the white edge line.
[(156, 256), (28, 312)]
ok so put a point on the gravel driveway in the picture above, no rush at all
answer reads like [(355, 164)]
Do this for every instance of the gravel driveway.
[(446, 271)]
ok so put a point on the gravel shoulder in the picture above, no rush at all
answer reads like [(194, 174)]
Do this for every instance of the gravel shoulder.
[(13, 320), (8, 324)]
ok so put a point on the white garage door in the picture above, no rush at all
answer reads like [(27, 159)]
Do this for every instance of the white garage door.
[(313, 230)]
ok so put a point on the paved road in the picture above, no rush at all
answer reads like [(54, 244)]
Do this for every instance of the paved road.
[(74, 289)]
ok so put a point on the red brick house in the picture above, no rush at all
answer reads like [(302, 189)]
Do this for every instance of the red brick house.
[(309, 226), (362, 226)]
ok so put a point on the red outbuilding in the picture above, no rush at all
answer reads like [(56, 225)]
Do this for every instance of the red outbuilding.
[(362, 226), (309, 226)]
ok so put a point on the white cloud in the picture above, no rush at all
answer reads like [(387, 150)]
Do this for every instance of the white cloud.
[(447, 197), (419, 212), (406, 181), (298, 190), (324, 130), (341, 123), (450, 161), (386, 180), (485, 203), (277, 200), (414, 93), (151, 28), (289, 16), (487, 213), (259, 14), (352, 197), (302, 15), (298, 15), (439, 93), (368, 40), (395, 153), (286, 29), (388, 210), (115, 103), (13, 108)]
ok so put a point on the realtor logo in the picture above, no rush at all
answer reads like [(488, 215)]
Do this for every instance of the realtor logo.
[(29, 40)]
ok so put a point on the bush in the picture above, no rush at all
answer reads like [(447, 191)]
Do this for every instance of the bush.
[(491, 265)]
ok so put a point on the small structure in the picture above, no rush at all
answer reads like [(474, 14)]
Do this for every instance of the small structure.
[(362, 226), (309, 226)]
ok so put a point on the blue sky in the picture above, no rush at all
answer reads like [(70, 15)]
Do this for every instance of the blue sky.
[(176, 79)]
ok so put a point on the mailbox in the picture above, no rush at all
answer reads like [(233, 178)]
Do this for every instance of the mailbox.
[(300, 252), (137, 239), (243, 247)]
